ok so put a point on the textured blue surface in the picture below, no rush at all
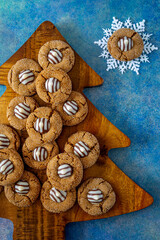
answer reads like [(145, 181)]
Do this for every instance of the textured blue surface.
[(129, 101)]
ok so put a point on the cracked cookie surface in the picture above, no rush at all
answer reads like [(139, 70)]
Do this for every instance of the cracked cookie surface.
[(15, 160), (54, 206), (77, 111), (115, 50), (85, 145), (13, 76), (28, 153), (59, 85), (71, 181), (109, 197), (19, 121), (27, 199), (55, 125), (67, 55), (11, 135)]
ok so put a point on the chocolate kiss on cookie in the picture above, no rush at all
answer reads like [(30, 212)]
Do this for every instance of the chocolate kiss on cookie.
[(70, 107), (26, 77), (25, 191), (4, 141), (81, 149), (57, 195), (65, 171), (42, 125), (22, 187), (40, 154), (84, 145), (74, 110), (11, 166), (54, 56), (22, 110), (125, 44), (56, 200), (52, 85), (95, 196), (6, 167)]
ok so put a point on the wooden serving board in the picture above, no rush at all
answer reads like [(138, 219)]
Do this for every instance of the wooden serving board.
[(35, 222)]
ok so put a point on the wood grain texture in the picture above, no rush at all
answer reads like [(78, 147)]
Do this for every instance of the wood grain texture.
[(35, 222)]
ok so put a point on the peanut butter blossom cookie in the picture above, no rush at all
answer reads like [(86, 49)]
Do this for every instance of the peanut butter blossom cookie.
[(58, 54), (18, 111), (11, 166), (65, 171), (43, 125), (74, 110), (96, 196), (125, 44), (22, 76), (56, 200), (38, 155), (24, 192), (53, 86), (85, 145), (9, 138)]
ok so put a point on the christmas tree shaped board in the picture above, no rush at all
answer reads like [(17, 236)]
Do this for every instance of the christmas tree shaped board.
[(35, 222)]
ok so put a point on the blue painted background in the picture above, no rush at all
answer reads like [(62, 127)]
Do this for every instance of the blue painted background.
[(129, 101)]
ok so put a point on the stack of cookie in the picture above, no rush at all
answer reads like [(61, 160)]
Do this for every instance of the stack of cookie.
[(49, 79), (21, 187)]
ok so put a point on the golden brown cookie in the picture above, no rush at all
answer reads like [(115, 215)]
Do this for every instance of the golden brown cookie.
[(85, 145), (11, 166), (38, 155), (96, 196), (53, 85), (9, 138), (56, 53), (22, 76), (74, 110), (65, 171), (24, 192), (18, 111), (44, 125), (55, 200), (125, 44)]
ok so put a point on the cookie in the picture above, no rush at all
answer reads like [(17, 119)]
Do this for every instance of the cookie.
[(74, 110), (22, 76), (24, 192), (55, 200), (18, 111), (11, 166), (9, 138), (44, 125), (37, 156), (53, 86), (65, 171), (125, 44), (58, 54), (85, 145), (96, 196)]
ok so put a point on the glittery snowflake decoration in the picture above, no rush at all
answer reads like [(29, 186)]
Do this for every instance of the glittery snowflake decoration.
[(134, 64)]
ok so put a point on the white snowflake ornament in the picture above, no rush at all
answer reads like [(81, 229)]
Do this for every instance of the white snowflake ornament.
[(128, 23), (133, 65), (116, 24), (123, 67)]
